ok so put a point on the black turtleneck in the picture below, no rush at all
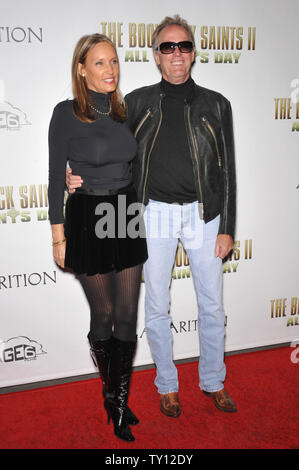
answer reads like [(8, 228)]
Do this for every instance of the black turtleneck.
[(171, 177), (100, 151)]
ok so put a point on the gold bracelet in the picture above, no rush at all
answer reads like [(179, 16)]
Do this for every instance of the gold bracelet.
[(60, 242)]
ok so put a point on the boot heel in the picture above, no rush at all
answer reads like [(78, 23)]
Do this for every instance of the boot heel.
[(92, 355), (108, 417), (117, 414)]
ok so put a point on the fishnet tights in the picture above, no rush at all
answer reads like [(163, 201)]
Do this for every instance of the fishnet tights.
[(113, 301)]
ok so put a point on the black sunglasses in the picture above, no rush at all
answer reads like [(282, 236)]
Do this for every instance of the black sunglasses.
[(169, 47)]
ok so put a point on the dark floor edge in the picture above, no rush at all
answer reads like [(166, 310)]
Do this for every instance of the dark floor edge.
[(78, 378)]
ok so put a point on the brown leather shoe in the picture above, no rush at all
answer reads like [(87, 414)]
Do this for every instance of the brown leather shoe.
[(170, 404), (222, 400)]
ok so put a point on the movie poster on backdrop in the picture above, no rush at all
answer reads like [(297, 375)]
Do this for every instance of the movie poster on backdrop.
[(243, 52)]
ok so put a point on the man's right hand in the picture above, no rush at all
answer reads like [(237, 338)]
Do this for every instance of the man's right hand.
[(72, 181)]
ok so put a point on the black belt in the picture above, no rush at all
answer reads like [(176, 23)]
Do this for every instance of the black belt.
[(104, 191)]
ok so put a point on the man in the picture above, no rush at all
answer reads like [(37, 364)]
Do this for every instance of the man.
[(185, 175)]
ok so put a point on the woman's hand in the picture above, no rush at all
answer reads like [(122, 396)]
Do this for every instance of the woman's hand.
[(59, 254), (59, 244)]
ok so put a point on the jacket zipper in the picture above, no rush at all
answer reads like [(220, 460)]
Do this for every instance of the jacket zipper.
[(196, 155), (152, 146), (142, 122), (204, 119)]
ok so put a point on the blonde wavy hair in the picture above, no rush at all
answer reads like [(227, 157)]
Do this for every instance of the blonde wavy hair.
[(80, 89)]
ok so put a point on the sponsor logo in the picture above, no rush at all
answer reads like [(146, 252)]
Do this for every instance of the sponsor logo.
[(217, 44), (242, 251), (20, 348), (286, 109), (19, 34), (183, 327), (10, 281), (287, 309), (12, 118), (24, 203), (179, 327)]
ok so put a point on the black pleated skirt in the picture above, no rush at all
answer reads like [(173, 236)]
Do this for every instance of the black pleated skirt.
[(104, 233)]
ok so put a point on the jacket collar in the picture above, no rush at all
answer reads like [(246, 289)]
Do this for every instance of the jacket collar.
[(188, 100)]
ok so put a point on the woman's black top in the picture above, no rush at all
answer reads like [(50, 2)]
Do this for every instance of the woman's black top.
[(100, 152)]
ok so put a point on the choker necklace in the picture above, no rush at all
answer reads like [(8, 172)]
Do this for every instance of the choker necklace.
[(100, 112)]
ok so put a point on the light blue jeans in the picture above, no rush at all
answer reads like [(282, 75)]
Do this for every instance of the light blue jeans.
[(165, 224)]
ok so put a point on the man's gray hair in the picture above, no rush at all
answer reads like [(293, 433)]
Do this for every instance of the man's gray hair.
[(176, 20)]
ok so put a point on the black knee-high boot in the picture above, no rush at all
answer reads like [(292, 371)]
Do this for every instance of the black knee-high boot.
[(120, 376), (101, 354), (100, 351)]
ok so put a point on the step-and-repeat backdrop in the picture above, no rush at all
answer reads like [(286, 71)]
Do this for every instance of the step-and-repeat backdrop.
[(245, 50)]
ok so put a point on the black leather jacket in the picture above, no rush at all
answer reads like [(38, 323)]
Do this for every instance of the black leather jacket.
[(208, 120)]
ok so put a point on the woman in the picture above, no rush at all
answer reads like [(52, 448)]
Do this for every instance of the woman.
[(90, 133)]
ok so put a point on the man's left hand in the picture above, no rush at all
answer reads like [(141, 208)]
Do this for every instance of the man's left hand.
[(224, 244)]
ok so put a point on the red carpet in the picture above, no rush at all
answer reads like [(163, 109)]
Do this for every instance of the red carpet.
[(264, 385)]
